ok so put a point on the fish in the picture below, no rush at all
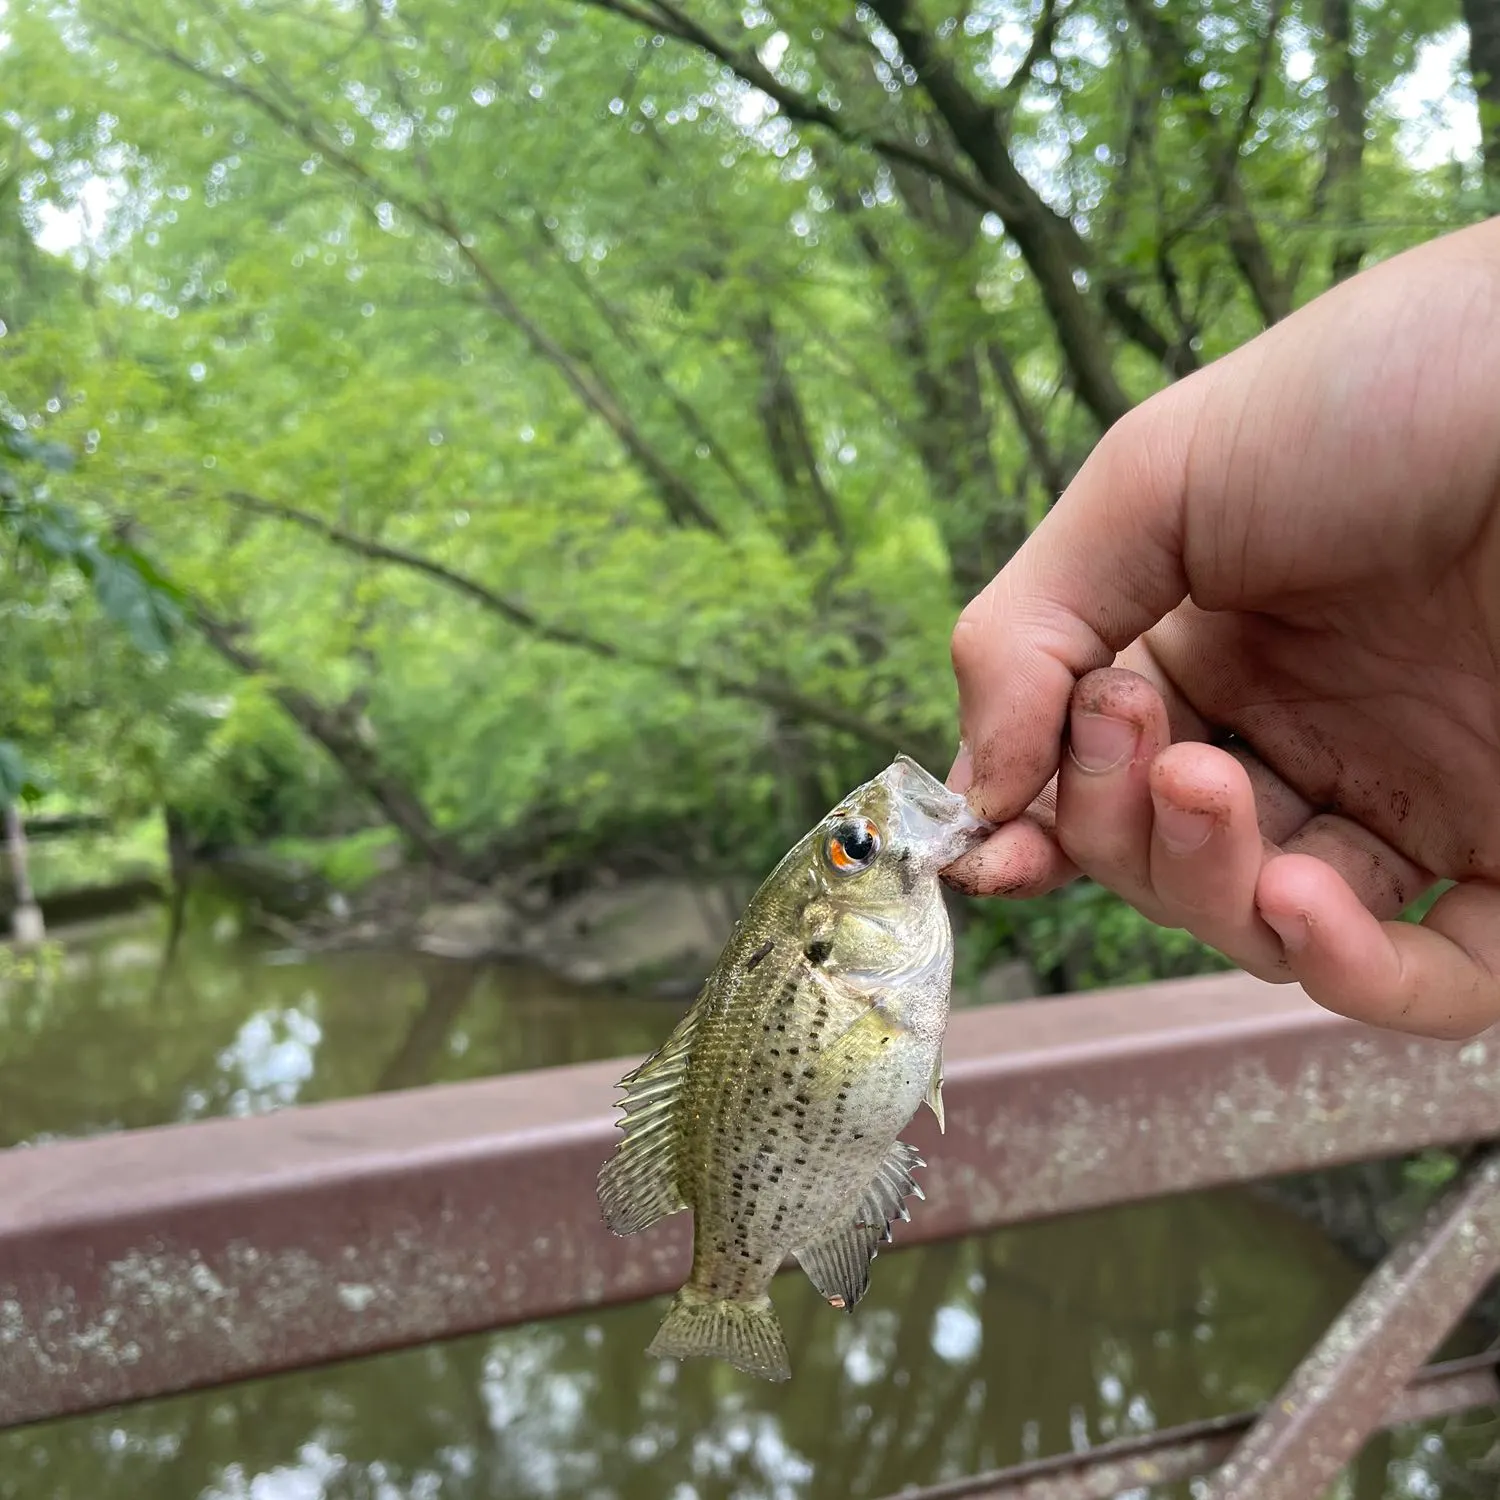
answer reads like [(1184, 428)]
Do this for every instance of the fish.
[(773, 1109)]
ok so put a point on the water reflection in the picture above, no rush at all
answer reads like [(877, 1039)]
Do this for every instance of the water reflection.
[(964, 1356), (110, 1042)]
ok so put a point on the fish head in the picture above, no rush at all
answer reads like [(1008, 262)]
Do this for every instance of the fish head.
[(873, 865), (902, 824)]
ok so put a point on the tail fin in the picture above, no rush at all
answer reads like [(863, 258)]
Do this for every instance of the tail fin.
[(744, 1333)]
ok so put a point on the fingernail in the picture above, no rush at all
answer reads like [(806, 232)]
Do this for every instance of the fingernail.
[(961, 776), (1291, 927), (1099, 743), (1180, 830)]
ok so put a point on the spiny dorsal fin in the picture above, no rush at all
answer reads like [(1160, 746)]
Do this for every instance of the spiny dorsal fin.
[(638, 1184), (934, 1099), (838, 1261)]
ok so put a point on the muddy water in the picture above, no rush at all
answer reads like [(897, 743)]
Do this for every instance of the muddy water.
[(964, 1356)]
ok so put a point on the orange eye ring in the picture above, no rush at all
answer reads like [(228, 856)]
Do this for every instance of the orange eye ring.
[(852, 846)]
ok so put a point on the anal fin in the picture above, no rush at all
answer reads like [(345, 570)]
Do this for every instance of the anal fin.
[(837, 1262), (638, 1184)]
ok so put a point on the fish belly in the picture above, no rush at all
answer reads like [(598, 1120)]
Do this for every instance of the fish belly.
[(811, 1133)]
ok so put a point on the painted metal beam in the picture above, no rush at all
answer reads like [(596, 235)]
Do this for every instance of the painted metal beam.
[(149, 1262), (1341, 1392), (1191, 1450)]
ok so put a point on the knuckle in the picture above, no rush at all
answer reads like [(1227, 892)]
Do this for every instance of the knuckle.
[(968, 645)]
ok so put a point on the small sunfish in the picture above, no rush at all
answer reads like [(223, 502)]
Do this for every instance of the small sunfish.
[(773, 1109)]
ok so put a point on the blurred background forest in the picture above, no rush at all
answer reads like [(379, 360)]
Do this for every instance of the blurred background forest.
[(469, 459), (561, 436)]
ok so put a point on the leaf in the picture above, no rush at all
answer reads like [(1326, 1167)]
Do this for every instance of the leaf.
[(18, 782), (146, 613), (57, 457)]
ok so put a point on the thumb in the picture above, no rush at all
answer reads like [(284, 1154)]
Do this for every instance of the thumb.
[(1103, 567)]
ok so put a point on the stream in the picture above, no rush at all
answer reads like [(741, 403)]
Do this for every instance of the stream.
[(964, 1356)]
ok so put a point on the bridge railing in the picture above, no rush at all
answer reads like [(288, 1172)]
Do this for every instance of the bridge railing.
[(160, 1261)]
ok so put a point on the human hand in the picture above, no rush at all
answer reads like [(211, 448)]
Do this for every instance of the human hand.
[(1256, 649)]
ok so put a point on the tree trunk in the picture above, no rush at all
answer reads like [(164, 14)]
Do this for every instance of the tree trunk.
[(399, 803), (1345, 137), (1482, 17), (26, 924)]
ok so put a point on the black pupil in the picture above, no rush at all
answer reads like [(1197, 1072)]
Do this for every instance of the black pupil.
[(857, 840)]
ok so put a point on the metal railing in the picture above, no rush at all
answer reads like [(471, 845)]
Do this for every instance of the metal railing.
[(168, 1260)]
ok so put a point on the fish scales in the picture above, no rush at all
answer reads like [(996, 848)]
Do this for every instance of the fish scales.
[(774, 1108)]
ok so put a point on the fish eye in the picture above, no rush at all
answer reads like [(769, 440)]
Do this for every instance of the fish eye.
[(852, 845)]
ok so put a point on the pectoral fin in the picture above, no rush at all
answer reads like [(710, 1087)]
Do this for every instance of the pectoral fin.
[(934, 1099), (638, 1184), (838, 1261), (857, 1048)]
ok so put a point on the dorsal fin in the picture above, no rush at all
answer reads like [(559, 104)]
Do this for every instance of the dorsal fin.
[(838, 1261), (638, 1184)]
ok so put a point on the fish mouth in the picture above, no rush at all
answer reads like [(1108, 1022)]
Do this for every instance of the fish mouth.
[(933, 820)]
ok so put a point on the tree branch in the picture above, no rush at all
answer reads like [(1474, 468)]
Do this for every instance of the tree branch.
[(342, 742), (1048, 466), (788, 436), (771, 695), (1052, 247), (1039, 48), (678, 497), (687, 414), (1269, 291), (1482, 17), (1338, 191)]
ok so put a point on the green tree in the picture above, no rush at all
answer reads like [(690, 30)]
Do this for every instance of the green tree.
[(583, 418)]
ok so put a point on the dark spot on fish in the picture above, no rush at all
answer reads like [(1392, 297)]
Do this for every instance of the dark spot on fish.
[(803, 1099), (809, 1072), (793, 1051), (817, 951), (762, 952)]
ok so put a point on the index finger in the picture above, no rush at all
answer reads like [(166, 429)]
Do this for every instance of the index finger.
[(1103, 567)]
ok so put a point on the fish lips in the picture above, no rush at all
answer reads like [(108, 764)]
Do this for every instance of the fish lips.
[(938, 825)]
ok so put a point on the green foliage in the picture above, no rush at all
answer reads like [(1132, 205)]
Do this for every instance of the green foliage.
[(561, 450), (17, 780), (132, 594), (1080, 938), (346, 863), (137, 849)]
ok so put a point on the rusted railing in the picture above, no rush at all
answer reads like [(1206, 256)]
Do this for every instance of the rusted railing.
[(167, 1260)]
